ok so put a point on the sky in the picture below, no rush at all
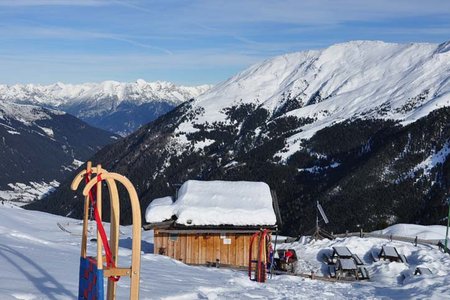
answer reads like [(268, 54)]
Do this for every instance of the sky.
[(192, 42)]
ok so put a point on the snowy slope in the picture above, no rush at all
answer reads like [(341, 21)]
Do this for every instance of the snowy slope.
[(39, 261), (366, 79), (25, 114), (39, 147)]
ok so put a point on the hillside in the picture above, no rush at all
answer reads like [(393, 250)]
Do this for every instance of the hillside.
[(361, 126), (114, 106), (40, 147)]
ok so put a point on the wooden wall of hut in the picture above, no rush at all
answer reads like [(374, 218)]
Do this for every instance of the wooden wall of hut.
[(228, 248)]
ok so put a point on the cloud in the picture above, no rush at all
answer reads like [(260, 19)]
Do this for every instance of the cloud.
[(290, 11), (196, 39), (37, 32), (53, 2), (188, 67)]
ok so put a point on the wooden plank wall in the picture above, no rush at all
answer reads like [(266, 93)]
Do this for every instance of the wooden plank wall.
[(202, 248)]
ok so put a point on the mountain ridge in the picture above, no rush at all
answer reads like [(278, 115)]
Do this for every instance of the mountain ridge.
[(337, 83), (355, 128), (110, 105)]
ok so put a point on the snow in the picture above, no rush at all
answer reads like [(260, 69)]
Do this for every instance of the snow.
[(388, 280), (77, 163), (159, 210), (48, 131), (434, 159), (430, 232), (40, 261), (202, 144), (27, 114), (60, 94), (240, 203), (358, 79), (21, 193), (318, 169)]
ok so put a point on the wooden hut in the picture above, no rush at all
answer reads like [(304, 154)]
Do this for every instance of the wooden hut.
[(211, 222)]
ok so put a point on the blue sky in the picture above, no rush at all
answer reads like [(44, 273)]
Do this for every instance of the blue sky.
[(192, 42)]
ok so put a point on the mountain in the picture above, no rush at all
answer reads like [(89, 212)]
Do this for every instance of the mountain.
[(363, 127), (114, 106), (39, 147)]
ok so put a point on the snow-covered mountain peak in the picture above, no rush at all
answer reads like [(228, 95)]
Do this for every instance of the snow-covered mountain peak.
[(366, 79), (61, 94)]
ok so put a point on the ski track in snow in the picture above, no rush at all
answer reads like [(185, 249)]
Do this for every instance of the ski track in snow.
[(40, 261)]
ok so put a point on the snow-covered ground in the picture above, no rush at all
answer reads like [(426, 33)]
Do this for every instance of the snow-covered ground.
[(387, 279), (40, 261), (430, 232)]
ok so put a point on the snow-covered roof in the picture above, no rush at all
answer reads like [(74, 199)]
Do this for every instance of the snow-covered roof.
[(215, 203)]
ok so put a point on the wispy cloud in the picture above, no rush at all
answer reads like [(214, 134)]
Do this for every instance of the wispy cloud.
[(209, 66), (53, 2), (196, 40), (36, 32)]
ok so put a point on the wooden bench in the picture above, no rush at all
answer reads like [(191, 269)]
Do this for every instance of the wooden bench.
[(363, 273), (357, 260), (391, 253)]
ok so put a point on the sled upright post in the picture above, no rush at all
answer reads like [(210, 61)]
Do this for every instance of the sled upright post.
[(94, 269)]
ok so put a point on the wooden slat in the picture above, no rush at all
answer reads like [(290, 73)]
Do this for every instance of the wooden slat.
[(178, 248), (210, 252), (224, 252), (217, 242), (156, 241), (195, 252), (239, 250), (116, 272), (170, 248), (233, 250), (182, 242), (165, 242), (203, 248), (189, 249), (199, 248), (245, 248)]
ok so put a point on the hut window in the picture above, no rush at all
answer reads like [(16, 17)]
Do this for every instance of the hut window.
[(173, 236)]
